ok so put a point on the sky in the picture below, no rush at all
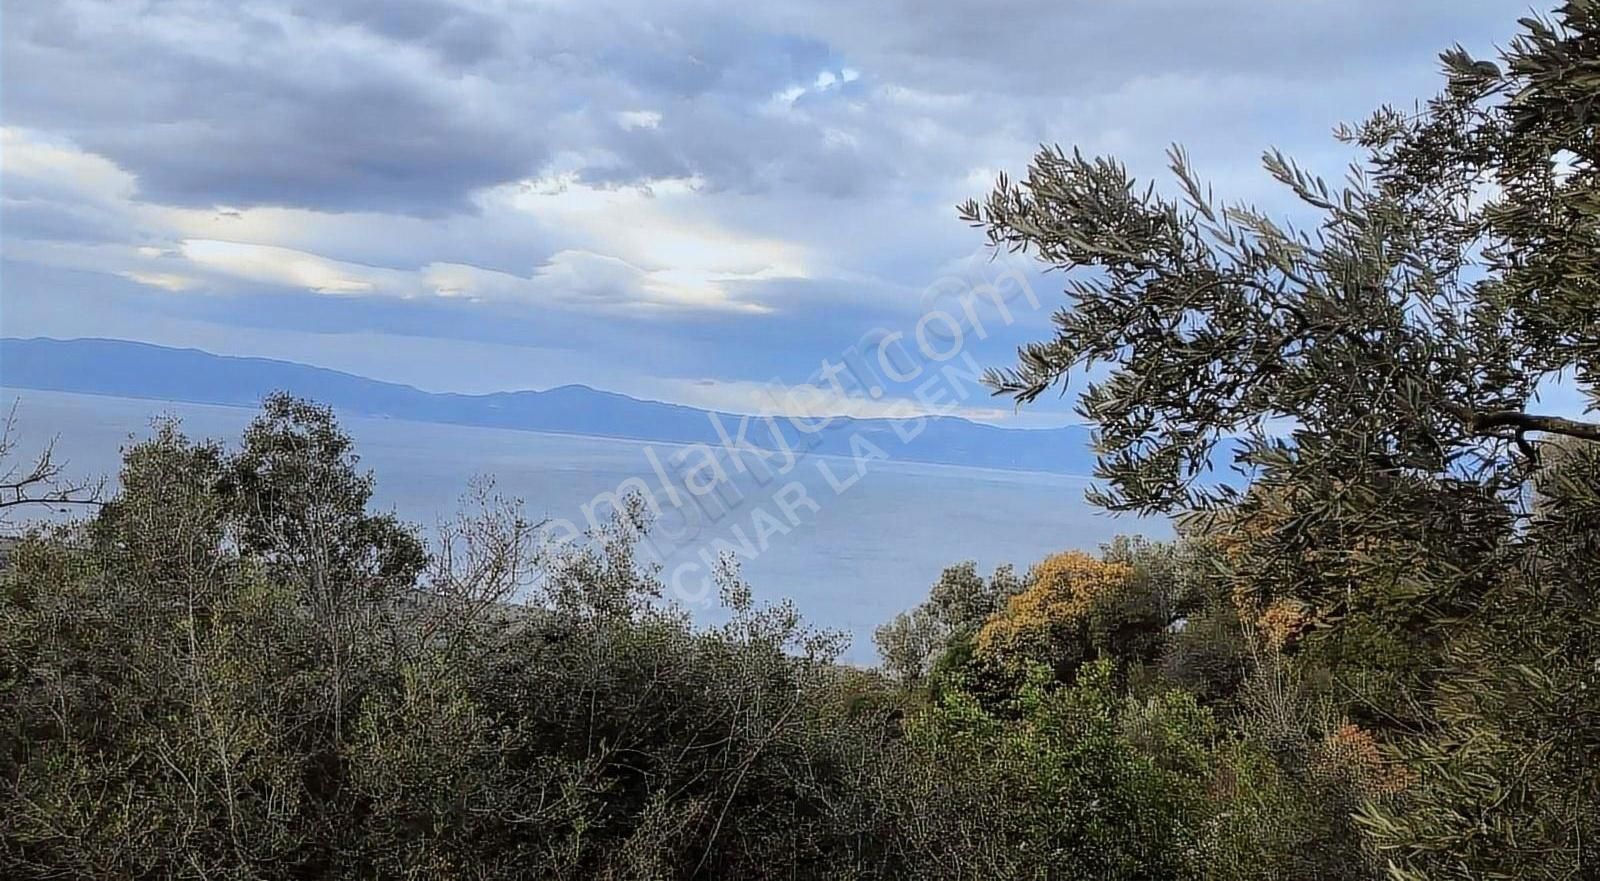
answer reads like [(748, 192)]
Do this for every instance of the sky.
[(677, 201)]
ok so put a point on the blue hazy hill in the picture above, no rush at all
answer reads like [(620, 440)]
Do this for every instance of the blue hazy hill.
[(139, 370)]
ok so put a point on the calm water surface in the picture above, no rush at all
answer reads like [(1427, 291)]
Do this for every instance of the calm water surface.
[(863, 543)]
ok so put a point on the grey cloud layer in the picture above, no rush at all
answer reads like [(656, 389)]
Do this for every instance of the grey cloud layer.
[(398, 106), (409, 105), (804, 157)]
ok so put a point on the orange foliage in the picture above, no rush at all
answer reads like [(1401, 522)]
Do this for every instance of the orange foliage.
[(1351, 753), (1283, 622), (1062, 591), (1238, 535)]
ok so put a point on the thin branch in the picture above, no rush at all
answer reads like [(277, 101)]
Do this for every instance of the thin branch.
[(42, 482), (1483, 423)]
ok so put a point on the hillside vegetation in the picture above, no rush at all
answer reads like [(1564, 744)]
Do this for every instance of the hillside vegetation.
[(1372, 652)]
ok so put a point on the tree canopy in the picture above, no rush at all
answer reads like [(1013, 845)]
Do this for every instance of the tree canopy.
[(1402, 522), (1405, 325)]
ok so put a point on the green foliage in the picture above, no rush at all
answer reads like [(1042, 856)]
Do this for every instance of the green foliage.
[(1209, 655), (1510, 764), (1377, 657), (957, 605), (1057, 791), (1409, 546), (301, 504), (183, 703), (184, 694)]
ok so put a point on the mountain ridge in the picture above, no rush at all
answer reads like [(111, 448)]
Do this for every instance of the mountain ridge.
[(130, 369)]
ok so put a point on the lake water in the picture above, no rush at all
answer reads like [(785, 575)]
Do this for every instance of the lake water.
[(851, 541)]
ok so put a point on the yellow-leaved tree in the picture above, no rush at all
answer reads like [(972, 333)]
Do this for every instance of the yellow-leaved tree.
[(1053, 621)]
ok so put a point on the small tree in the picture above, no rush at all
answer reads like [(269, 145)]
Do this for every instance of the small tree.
[(958, 603)]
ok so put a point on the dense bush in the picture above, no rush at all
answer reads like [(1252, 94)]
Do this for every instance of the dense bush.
[(186, 694)]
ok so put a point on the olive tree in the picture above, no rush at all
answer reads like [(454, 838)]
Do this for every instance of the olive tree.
[(1406, 326), (1372, 372)]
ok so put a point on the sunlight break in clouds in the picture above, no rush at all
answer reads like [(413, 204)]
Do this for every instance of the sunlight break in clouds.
[(637, 251), (653, 226), (52, 165), (167, 281), (281, 266)]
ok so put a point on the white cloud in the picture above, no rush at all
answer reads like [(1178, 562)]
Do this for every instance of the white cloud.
[(269, 264), (634, 119), (167, 281), (659, 227), (600, 276), (60, 169), (591, 280), (634, 250), (784, 99)]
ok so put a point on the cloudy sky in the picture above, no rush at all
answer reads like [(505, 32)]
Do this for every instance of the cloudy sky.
[(680, 201)]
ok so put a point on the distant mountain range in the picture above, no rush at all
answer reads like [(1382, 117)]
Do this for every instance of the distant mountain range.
[(139, 370)]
